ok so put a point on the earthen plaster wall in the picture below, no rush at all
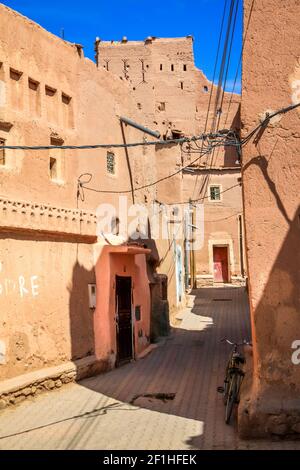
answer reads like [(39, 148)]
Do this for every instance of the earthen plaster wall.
[(173, 94), (271, 175), (47, 258)]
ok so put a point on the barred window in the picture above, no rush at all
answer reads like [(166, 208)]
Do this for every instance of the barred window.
[(215, 193), (110, 163)]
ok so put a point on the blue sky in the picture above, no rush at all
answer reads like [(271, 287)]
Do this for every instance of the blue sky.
[(137, 19)]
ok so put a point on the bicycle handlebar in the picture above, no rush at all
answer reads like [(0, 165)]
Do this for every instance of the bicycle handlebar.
[(248, 343)]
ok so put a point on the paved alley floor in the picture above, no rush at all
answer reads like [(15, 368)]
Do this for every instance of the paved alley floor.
[(167, 400)]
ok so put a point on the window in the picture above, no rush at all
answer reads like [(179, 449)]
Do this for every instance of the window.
[(53, 168), (184, 67), (2, 152), (110, 163), (138, 312), (161, 106), (56, 159), (172, 67), (181, 85), (49, 90), (160, 67), (215, 193), (92, 295), (205, 89), (15, 74), (65, 98), (34, 97), (33, 84)]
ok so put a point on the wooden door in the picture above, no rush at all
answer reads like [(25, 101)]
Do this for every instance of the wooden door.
[(220, 256), (124, 319)]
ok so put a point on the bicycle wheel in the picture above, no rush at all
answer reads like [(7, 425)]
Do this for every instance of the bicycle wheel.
[(240, 378), (226, 389), (231, 398), (226, 383)]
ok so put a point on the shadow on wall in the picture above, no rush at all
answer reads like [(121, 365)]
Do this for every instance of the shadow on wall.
[(230, 153), (273, 394), (81, 316), (159, 317)]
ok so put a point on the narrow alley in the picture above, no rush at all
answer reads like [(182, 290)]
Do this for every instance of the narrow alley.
[(148, 404)]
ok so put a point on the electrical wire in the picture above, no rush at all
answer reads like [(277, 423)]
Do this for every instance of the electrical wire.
[(228, 60), (191, 201), (127, 191), (222, 66), (212, 84), (266, 120), (105, 146), (222, 84), (211, 141), (239, 62)]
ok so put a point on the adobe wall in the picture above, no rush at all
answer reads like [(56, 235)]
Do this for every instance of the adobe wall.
[(47, 232), (271, 174), (221, 222), (172, 93)]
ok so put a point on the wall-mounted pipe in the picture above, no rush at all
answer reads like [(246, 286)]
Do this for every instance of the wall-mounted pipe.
[(129, 122)]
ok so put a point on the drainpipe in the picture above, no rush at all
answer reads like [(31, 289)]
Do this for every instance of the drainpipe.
[(241, 245), (146, 130)]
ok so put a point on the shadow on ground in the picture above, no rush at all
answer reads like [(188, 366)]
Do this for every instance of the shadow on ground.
[(180, 376)]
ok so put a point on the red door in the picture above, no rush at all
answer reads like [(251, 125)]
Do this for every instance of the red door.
[(220, 254)]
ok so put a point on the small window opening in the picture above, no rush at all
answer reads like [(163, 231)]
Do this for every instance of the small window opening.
[(175, 211), (53, 168), (110, 163), (15, 74), (176, 134), (138, 312), (161, 67), (92, 295), (181, 85), (65, 98), (205, 88), (139, 105), (49, 91), (172, 67), (162, 106), (2, 152), (56, 140), (33, 84), (184, 67), (215, 193)]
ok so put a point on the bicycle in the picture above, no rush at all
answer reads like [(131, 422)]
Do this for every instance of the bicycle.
[(234, 376)]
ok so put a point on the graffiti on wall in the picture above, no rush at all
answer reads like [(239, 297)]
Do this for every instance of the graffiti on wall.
[(21, 286)]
